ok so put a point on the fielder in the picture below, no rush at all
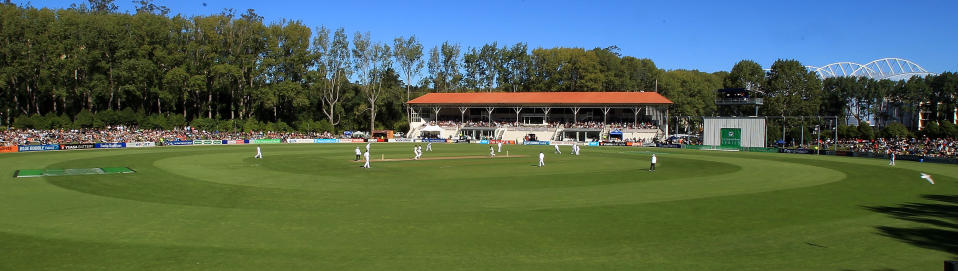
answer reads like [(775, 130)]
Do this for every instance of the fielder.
[(500, 146), (259, 153), (542, 158), (557, 149), (492, 152), (652, 167), (358, 153), (429, 146), (575, 149), (367, 147), (418, 151), (415, 152), (366, 155), (891, 162)]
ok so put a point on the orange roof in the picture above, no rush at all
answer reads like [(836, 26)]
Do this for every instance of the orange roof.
[(541, 98)]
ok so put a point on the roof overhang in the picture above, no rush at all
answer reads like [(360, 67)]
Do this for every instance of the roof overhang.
[(540, 99)]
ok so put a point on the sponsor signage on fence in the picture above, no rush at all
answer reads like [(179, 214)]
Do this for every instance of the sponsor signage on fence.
[(439, 140), (300, 140), (352, 140), (267, 141), (799, 151), (535, 142), (77, 146), (400, 140), (180, 143), (677, 146), (140, 144), (325, 140), (593, 143), (207, 142), (25, 148), (503, 141), (232, 142), (118, 145), (483, 141), (613, 143), (566, 142), (9, 149)]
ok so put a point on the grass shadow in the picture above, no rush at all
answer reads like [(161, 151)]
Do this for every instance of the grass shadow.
[(937, 219)]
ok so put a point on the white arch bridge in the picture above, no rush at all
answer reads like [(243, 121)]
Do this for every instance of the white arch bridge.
[(886, 68)]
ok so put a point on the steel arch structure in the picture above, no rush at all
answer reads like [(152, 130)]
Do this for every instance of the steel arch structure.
[(885, 68)]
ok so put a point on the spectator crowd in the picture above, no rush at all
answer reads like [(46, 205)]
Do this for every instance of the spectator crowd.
[(11, 137), (941, 147)]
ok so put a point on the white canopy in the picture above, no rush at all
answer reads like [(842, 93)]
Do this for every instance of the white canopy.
[(432, 128)]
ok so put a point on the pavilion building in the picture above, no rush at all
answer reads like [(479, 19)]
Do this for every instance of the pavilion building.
[(563, 116)]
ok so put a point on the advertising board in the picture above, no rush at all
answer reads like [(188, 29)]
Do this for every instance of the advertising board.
[(26, 148), (267, 141), (613, 143), (301, 140), (325, 140), (535, 142), (400, 140), (118, 145), (140, 144), (77, 146), (9, 149), (180, 143)]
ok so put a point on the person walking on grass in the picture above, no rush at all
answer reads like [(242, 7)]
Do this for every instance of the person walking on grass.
[(366, 155), (259, 153), (652, 167)]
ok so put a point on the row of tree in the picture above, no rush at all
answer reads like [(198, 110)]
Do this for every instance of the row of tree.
[(233, 66)]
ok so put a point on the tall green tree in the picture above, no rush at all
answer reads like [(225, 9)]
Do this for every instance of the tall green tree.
[(408, 56), (792, 90), (746, 74), (514, 67)]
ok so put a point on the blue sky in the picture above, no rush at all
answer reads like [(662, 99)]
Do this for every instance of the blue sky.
[(704, 35)]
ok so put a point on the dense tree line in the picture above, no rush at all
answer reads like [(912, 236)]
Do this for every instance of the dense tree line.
[(90, 66)]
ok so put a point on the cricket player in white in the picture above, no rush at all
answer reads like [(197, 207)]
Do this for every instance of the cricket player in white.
[(358, 153), (652, 167), (575, 149), (366, 155), (415, 153), (542, 159), (492, 151), (429, 146), (892, 160), (500, 146), (259, 154), (418, 151), (557, 149), (367, 147)]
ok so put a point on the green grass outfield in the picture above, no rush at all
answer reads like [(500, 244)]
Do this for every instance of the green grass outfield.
[(311, 207)]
